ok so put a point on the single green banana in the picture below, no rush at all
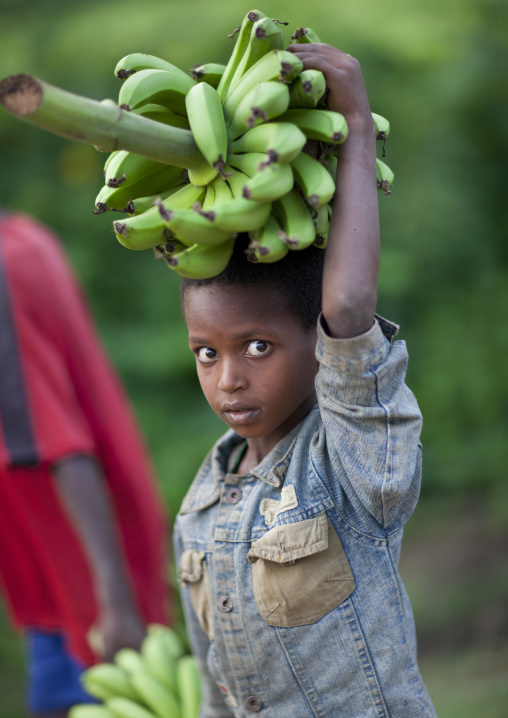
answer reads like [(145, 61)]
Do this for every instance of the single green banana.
[(169, 637), (191, 226), (89, 710), (321, 219), (106, 680), (127, 168), (158, 87), (124, 708), (281, 141), (294, 215), (275, 65), (307, 89), (210, 72), (117, 198), (382, 126), (238, 215), (267, 180), (130, 660), (148, 229), (156, 695), (265, 102), (384, 176), (313, 179), (266, 246), (200, 262), (331, 166), (239, 49), (321, 240), (222, 192), (209, 197), (323, 125), (162, 114), (140, 205), (236, 181), (303, 35), (110, 158), (189, 686), (204, 110), (266, 35), (137, 61)]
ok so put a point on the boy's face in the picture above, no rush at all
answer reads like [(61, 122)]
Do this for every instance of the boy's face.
[(255, 359)]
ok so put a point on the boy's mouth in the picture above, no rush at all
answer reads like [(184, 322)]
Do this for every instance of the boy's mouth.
[(236, 414)]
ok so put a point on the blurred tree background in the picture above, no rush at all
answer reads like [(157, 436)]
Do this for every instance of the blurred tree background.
[(437, 70)]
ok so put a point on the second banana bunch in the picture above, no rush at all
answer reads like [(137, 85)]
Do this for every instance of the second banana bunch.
[(159, 681), (251, 120)]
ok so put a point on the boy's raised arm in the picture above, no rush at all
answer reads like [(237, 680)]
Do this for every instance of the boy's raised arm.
[(352, 254)]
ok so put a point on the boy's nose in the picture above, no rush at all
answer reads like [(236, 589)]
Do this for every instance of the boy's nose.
[(231, 378)]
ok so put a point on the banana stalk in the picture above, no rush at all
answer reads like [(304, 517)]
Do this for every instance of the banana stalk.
[(95, 123)]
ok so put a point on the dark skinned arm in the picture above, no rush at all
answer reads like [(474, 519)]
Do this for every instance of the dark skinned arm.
[(81, 486), (352, 253)]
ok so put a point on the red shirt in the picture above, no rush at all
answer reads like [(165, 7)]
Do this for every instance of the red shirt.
[(58, 397)]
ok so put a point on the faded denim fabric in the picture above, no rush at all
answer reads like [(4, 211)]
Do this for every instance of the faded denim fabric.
[(290, 588)]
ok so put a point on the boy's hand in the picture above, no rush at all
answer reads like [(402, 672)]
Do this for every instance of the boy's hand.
[(346, 89)]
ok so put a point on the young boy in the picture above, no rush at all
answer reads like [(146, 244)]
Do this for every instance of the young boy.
[(288, 540)]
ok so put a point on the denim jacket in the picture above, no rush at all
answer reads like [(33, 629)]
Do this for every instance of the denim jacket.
[(290, 588)]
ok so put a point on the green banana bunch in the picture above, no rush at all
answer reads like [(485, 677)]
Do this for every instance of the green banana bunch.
[(307, 89), (280, 141), (242, 42), (89, 710), (313, 179), (276, 65), (267, 181), (265, 35), (105, 680), (156, 695), (210, 72), (125, 708), (189, 686), (265, 245), (136, 61), (265, 102), (159, 87), (298, 230)]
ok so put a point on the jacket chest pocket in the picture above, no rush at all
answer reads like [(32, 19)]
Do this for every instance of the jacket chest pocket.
[(299, 572), (193, 573)]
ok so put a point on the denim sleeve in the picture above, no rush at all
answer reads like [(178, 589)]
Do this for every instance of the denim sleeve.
[(372, 423), (212, 700)]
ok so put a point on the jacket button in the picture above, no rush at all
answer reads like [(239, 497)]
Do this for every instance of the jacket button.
[(253, 704), (225, 604), (233, 495)]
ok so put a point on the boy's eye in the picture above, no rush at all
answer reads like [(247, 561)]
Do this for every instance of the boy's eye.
[(258, 348), (205, 354)]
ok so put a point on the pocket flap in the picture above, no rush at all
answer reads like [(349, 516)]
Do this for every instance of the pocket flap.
[(191, 566), (289, 542)]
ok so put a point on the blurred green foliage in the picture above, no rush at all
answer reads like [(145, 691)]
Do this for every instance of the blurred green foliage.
[(437, 70)]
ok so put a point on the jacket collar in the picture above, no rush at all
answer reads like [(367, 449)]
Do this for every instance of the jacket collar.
[(206, 487)]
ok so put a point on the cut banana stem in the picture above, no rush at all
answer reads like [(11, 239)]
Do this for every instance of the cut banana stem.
[(94, 123)]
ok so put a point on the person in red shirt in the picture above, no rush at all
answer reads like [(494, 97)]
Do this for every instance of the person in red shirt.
[(82, 529)]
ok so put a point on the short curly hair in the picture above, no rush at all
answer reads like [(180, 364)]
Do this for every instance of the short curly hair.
[(299, 275)]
